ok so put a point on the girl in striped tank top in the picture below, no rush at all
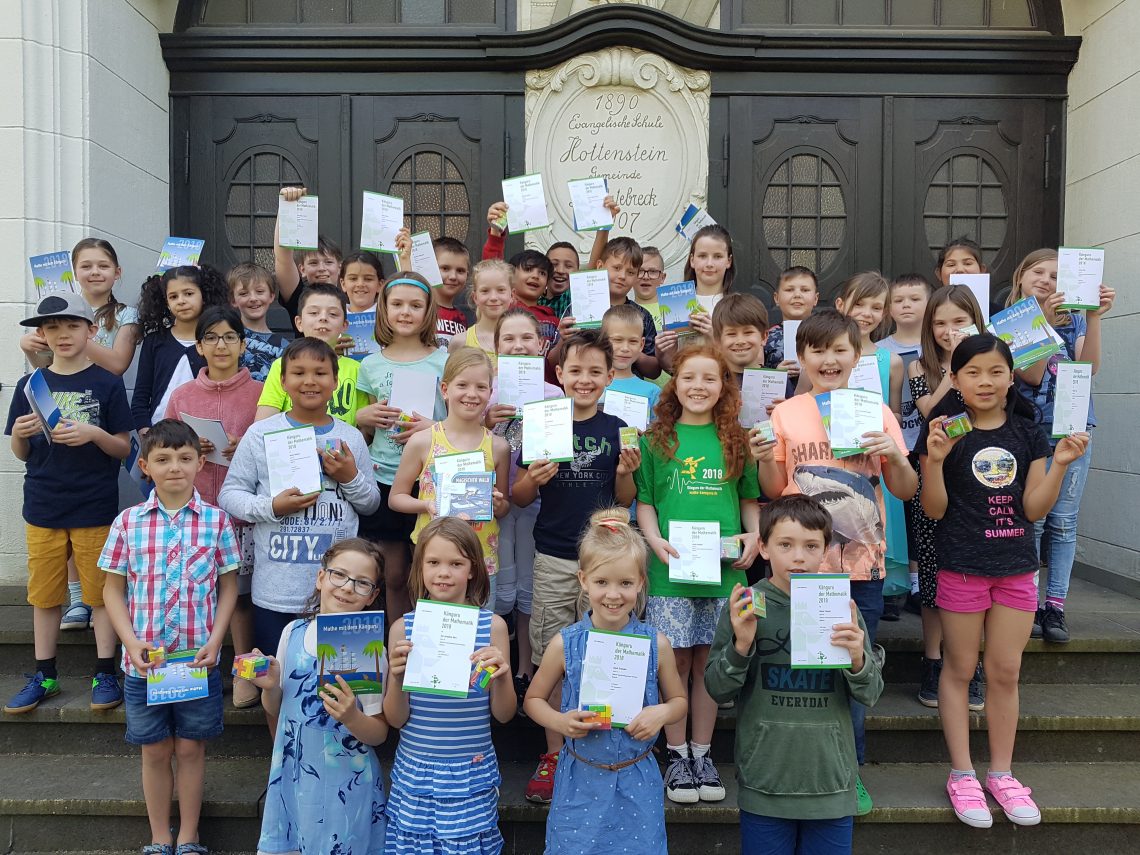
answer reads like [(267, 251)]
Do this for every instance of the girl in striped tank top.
[(444, 795), (459, 443), (608, 794)]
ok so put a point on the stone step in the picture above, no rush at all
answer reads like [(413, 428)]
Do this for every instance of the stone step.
[(1077, 723), (62, 804)]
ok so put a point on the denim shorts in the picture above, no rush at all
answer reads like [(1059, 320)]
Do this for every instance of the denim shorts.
[(198, 720)]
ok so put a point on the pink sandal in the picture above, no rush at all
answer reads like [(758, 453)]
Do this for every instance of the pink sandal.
[(969, 801), (1014, 799)]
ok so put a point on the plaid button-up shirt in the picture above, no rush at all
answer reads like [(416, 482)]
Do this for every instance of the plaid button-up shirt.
[(172, 564)]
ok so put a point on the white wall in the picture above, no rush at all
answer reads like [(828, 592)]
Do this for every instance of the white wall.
[(1102, 208), (83, 152)]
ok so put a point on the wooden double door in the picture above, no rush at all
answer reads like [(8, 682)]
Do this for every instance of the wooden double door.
[(842, 184)]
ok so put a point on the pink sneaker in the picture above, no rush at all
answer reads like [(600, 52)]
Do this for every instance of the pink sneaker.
[(969, 801), (1014, 799)]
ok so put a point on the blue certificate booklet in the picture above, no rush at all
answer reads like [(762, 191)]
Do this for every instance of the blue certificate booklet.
[(362, 328), (176, 681), (676, 303), (467, 495), (351, 646), (179, 252), (52, 273), (1024, 328)]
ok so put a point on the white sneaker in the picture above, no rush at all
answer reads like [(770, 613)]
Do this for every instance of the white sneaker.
[(709, 787)]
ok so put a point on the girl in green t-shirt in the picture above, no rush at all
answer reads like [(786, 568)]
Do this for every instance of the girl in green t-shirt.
[(695, 468)]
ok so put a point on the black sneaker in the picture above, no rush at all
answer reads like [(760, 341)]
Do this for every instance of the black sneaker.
[(928, 690), (890, 611), (1053, 626), (913, 604), (680, 786), (977, 690), (1037, 618), (709, 787)]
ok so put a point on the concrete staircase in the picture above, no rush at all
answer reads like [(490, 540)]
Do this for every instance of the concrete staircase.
[(68, 782)]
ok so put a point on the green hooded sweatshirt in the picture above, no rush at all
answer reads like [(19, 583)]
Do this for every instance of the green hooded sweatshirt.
[(795, 750)]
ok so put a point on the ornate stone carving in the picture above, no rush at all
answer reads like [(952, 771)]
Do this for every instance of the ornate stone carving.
[(535, 14), (633, 117)]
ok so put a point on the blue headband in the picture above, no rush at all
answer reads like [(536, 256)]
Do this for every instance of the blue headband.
[(414, 282)]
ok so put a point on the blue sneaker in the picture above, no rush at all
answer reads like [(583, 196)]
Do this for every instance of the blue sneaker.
[(28, 698), (77, 616), (106, 693)]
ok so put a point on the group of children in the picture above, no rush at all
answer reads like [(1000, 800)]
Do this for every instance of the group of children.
[(214, 548)]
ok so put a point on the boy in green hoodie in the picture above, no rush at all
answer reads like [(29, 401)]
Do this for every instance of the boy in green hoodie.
[(795, 752)]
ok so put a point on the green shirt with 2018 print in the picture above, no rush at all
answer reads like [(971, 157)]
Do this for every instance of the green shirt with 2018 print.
[(692, 486)]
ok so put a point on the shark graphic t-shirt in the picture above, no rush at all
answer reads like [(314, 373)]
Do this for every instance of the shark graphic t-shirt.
[(581, 486), (692, 485), (848, 487), (984, 531)]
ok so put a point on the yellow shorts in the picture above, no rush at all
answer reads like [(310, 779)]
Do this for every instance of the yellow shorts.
[(48, 550)]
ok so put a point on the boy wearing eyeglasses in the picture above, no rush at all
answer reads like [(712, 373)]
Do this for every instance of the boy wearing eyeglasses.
[(292, 530), (650, 277), (224, 391), (169, 583)]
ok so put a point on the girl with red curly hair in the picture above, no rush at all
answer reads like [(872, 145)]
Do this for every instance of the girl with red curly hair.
[(695, 468)]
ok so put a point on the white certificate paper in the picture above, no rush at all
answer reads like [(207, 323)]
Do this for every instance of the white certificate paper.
[(979, 283), (699, 546), (521, 380), (212, 430), (1080, 272), (790, 330), (443, 639), (614, 672), (586, 197), (548, 430), (1071, 403), (589, 297), (865, 376), (291, 456), (819, 602), (761, 387), (853, 413), (423, 259), (382, 217), (526, 203), (413, 391), (446, 465), (631, 409), (297, 223)]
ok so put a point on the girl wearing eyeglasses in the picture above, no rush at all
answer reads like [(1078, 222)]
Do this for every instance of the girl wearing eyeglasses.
[(987, 487), (224, 391), (326, 791)]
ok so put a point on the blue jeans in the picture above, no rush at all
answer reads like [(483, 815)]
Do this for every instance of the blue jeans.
[(1061, 523), (768, 835), (868, 596)]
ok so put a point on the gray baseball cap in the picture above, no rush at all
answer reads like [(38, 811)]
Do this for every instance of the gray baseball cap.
[(61, 305)]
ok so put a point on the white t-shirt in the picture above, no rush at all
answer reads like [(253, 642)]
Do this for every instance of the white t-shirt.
[(182, 374)]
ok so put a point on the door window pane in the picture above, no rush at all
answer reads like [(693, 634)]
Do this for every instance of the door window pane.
[(966, 199), (251, 204), (434, 193), (804, 213)]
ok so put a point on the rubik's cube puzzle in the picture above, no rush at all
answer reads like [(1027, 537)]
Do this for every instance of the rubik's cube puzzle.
[(747, 603), (601, 714), (481, 676), (156, 657), (957, 425), (250, 665)]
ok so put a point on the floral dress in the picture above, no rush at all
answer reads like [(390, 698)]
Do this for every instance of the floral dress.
[(326, 791)]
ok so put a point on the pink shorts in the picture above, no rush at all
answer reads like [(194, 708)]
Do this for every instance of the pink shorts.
[(964, 592)]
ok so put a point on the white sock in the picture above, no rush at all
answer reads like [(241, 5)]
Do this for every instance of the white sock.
[(682, 749), (914, 582), (699, 750), (74, 593)]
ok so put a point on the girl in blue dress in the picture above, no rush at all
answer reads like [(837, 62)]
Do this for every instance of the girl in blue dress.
[(444, 798), (326, 792), (608, 793)]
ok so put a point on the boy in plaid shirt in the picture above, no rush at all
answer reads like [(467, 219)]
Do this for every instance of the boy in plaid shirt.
[(169, 565)]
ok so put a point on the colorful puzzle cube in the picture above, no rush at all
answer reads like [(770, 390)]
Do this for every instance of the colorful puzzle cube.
[(250, 665), (156, 657), (958, 425), (481, 676), (629, 437), (600, 714), (765, 430), (747, 603)]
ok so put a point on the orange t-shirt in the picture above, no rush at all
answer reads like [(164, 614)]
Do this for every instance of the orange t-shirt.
[(848, 487)]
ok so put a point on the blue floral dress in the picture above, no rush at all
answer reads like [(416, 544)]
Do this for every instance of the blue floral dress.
[(444, 798), (326, 792), (597, 810)]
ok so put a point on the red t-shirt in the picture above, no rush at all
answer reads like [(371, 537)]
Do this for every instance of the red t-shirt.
[(449, 322)]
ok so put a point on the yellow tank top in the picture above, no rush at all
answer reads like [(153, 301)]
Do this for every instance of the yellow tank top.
[(487, 532), (472, 340)]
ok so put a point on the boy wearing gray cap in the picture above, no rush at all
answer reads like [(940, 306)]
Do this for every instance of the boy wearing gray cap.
[(71, 492)]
